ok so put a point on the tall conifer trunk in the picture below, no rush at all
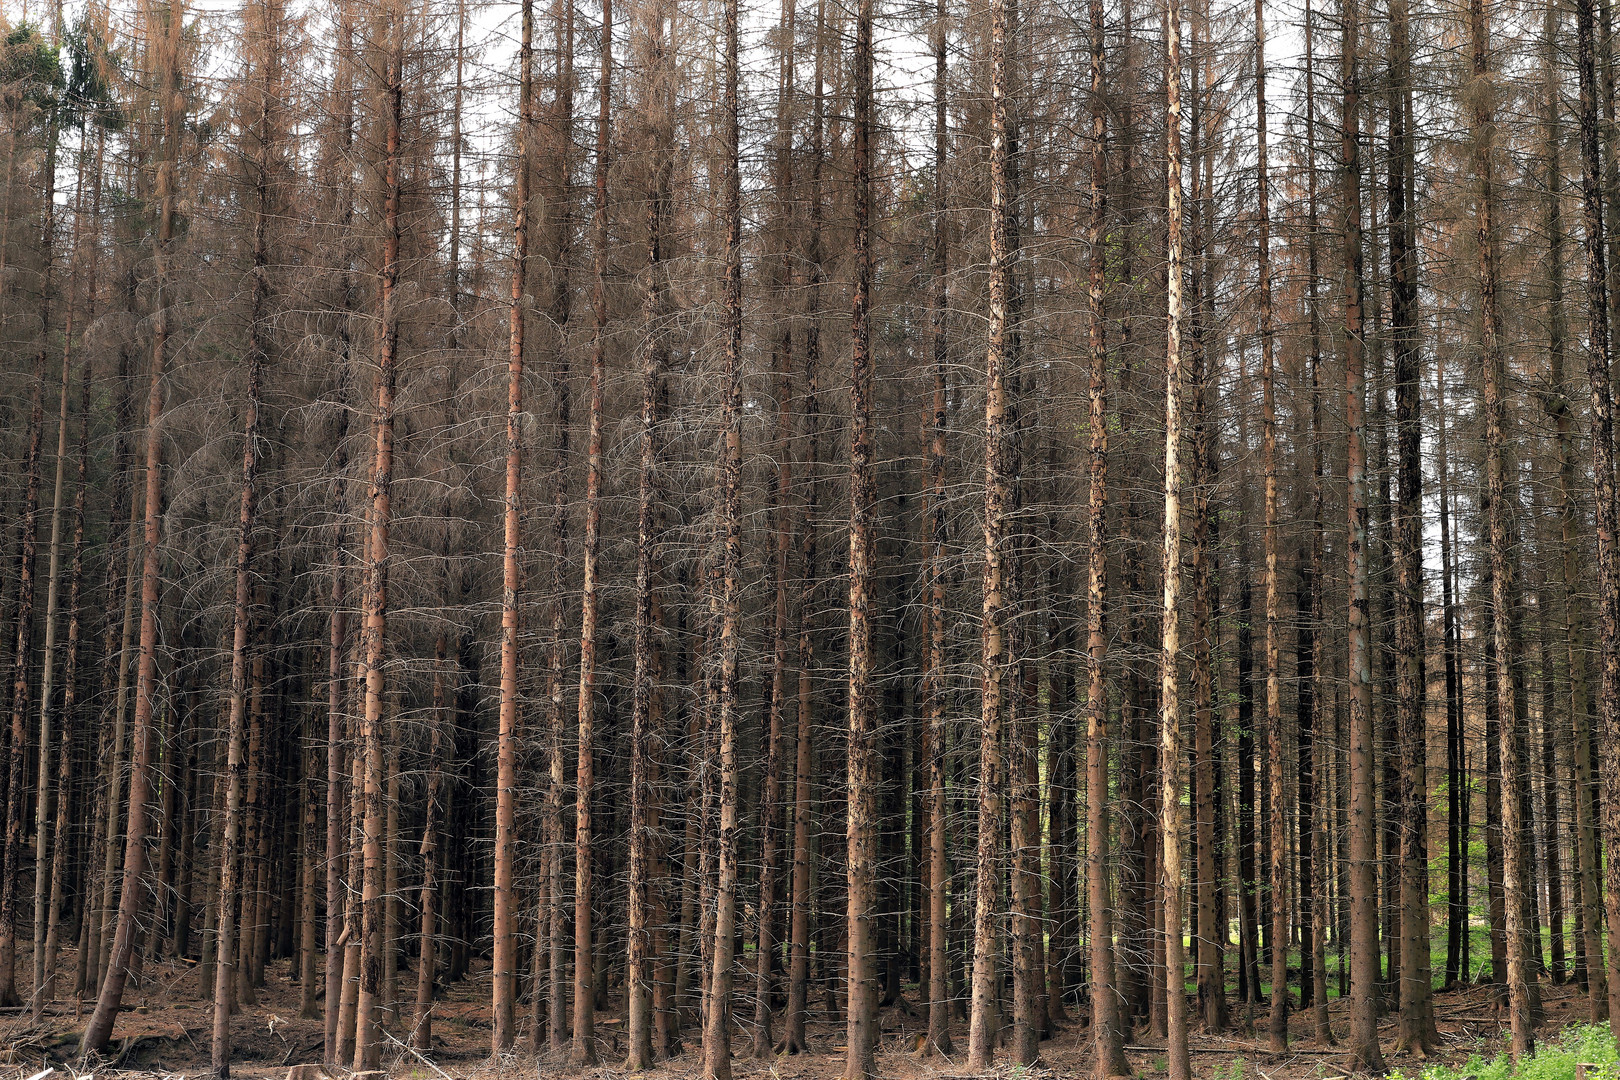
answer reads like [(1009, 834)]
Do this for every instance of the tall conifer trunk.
[(1516, 873), (367, 1049), (1598, 370), (122, 947), (1171, 764), (1588, 889), (583, 1050), (1106, 1023), (1363, 885), (934, 689), (504, 964), (644, 708), (1416, 1015), (717, 1029), (985, 1021), (862, 821), (793, 1040)]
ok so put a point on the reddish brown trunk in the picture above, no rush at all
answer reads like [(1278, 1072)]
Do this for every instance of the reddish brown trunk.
[(504, 965)]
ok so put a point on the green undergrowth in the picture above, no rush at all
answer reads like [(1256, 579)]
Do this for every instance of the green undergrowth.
[(1554, 1059)]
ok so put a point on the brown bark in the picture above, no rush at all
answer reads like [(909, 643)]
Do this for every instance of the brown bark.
[(42, 810), (862, 1028), (934, 692), (778, 499), (427, 955), (717, 1024), (1599, 374), (1207, 931), (1588, 898), (793, 1040), (1515, 871), (1107, 1027), (23, 622), (1363, 884), (553, 935), (367, 1051), (99, 1030), (1416, 1013), (504, 964), (644, 708), (985, 1022), (337, 617), (230, 858), (1313, 775)]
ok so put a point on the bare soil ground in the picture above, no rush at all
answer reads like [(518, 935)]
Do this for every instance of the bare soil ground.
[(164, 1033)]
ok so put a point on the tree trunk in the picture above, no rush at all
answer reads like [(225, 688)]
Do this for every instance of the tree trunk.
[(1171, 815), (934, 687), (985, 1022), (1416, 1013), (717, 1029), (427, 954), (862, 1027), (553, 939), (793, 1040), (11, 872), (1588, 890), (1277, 1031), (1364, 1049), (1503, 591), (1457, 794), (504, 964), (99, 1030), (1107, 1028), (338, 617), (644, 709), (42, 811), (583, 1050), (1602, 424), (367, 1051), (230, 857)]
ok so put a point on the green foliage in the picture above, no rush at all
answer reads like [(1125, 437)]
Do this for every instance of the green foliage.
[(30, 72), (1590, 1044), (92, 66), (1233, 1071)]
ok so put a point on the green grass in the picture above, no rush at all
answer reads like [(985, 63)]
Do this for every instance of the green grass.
[(1590, 1044)]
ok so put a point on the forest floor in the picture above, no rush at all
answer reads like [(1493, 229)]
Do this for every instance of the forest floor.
[(165, 1030)]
